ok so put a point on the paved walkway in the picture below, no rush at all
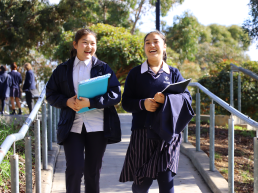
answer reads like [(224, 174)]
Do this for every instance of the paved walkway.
[(187, 180)]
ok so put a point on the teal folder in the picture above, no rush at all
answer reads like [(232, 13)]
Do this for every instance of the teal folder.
[(91, 88)]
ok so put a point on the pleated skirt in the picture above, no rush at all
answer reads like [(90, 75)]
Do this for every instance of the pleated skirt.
[(145, 158)]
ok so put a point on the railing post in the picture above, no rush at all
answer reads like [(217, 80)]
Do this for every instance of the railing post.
[(239, 92), (37, 156), (14, 159), (49, 132), (54, 125), (28, 164), (231, 89), (212, 135), (255, 164), (186, 134), (198, 120), (231, 155), (44, 137)]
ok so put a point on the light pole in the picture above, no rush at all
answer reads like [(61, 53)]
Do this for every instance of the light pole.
[(158, 15)]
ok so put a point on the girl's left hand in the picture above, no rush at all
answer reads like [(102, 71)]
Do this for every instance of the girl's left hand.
[(159, 97), (82, 102)]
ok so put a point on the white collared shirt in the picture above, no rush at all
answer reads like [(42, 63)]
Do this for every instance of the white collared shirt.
[(93, 120), (145, 67)]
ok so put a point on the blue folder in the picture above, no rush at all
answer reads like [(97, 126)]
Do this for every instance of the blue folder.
[(91, 88)]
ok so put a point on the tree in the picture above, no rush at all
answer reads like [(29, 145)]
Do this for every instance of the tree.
[(141, 7), (183, 36), (24, 25), (115, 45), (251, 25), (82, 13)]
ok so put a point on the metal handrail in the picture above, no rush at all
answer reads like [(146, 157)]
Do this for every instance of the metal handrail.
[(225, 105), (231, 148), (10, 139), (245, 71)]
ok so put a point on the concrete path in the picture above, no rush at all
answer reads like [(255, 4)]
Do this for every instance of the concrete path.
[(187, 180)]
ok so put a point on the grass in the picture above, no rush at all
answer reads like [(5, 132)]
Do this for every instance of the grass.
[(5, 168), (218, 156)]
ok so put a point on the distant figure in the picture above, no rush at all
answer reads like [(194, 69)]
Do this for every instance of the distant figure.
[(5, 84), (29, 84), (15, 88)]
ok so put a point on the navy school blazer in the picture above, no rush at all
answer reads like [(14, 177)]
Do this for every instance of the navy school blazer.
[(60, 88)]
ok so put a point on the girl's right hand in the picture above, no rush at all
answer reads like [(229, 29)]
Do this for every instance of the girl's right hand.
[(151, 105), (71, 102)]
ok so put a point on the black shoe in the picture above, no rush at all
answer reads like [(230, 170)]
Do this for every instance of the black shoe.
[(13, 113), (20, 112), (1, 113)]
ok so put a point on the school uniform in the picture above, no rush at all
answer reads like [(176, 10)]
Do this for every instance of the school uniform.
[(150, 155), (5, 84), (29, 84), (16, 81), (88, 132)]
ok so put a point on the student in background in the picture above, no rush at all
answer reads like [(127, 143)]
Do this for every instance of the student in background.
[(153, 152), (84, 136), (5, 84), (29, 84), (15, 92)]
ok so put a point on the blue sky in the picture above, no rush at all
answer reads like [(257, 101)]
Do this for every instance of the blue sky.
[(222, 12)]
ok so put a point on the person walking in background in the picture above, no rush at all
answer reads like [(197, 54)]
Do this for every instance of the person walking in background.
[(29, 84), (15, 92), (84, 136), (5, 84), (153, 152)]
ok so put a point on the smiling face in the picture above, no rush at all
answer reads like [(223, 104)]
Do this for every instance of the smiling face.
[(154, 46), (86, 47)]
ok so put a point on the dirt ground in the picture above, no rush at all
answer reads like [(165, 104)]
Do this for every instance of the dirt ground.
[(244, 154)]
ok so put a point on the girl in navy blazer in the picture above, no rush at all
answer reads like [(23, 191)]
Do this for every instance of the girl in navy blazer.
[(15, 92), (5, 84), (84, 136), (153, 152), (29, 84)]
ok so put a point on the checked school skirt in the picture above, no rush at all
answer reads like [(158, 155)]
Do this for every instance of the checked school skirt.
[(147, 157)]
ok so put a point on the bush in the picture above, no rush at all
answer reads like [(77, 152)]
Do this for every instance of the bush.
[(219, 84)]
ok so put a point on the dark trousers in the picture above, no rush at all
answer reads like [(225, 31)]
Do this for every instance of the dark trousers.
[(91, 145), (165, 181), (29, 100)]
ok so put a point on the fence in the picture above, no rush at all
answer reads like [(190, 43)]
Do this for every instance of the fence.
[(48, 136), (235, 68), (235, 112)]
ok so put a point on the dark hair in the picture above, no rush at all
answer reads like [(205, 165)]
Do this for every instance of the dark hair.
[(3, 68), (78, 36), (162, 37), (13, 66)]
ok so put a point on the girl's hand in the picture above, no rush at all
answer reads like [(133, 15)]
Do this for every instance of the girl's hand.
[(82, 102), (150, 105), (159, 97), (71, 103)]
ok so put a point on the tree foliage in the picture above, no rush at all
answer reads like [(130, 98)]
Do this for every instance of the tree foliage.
[(206, 45), (251, 24), (141, 7), (82, 13), (24, 25), (218, 82), (183, 36)]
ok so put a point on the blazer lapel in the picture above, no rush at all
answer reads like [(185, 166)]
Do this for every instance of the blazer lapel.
[(70, 75)]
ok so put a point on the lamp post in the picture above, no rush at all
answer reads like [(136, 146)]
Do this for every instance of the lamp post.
[(158, 15)]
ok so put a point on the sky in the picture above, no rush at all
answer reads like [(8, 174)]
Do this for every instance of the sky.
[(222, 12)]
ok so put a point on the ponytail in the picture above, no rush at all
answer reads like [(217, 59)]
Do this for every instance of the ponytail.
[(73, 52), (165, 56)]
